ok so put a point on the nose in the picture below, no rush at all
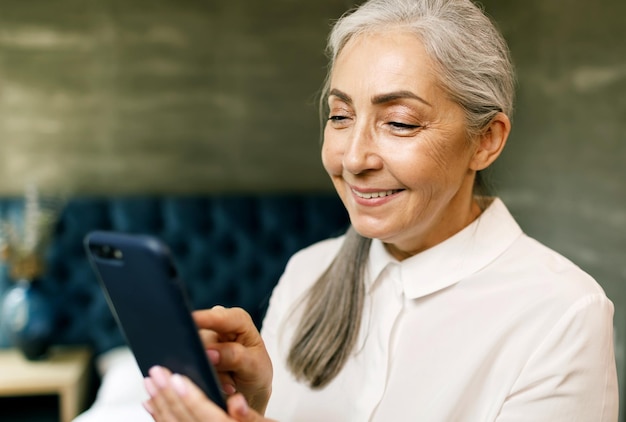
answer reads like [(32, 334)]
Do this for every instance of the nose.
[(361, 152)]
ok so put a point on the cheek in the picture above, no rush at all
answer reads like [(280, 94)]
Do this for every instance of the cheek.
[(331, 157), (447, 155)]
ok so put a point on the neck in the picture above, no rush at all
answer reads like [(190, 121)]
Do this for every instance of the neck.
[(476, 208)]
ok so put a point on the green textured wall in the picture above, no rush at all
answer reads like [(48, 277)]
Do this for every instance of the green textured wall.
[(161, 95)]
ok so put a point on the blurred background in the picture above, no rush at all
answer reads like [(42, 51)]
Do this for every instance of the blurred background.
[(115, 97)]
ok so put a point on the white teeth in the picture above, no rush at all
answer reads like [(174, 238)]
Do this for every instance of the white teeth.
[(374, 194)]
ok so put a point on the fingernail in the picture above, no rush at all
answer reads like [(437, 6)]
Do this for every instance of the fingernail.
[(158, 375), (150, 388), (214, 356), (179, 385), (148, 408), (229, 389), (242, 405)]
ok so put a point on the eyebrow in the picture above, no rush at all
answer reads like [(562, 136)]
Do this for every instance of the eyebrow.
[(381, 98), (398, 95)]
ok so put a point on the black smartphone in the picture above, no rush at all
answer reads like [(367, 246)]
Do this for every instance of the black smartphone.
[(148, 300)]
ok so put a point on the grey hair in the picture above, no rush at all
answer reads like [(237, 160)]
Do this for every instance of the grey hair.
[(475, 70), (472, 58)]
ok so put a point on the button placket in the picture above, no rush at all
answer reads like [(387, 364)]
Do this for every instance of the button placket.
[(387, 300)]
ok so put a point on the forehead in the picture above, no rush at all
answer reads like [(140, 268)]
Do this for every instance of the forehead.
[(383, 61)]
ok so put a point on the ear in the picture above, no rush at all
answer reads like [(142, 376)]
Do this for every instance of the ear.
[(491, 142)]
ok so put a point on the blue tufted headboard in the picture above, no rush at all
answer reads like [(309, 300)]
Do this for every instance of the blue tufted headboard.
[(229, 249)]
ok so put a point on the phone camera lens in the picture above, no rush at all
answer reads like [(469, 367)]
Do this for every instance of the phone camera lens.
[(108, 252), (105, 251)]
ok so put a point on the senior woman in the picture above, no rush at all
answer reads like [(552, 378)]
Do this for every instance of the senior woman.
[(434, 306)]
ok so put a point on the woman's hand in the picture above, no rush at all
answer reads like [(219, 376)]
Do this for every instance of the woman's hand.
[(174, 398), (237, 351)]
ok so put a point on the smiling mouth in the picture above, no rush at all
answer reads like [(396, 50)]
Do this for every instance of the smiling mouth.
[(370, 195)]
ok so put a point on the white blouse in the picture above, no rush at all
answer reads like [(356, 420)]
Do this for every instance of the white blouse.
[(489, 325)]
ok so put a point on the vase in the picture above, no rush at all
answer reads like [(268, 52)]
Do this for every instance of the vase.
[(27, 319)]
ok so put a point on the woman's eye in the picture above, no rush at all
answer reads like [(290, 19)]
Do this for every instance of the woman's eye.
[(338, 121), (405, 126)]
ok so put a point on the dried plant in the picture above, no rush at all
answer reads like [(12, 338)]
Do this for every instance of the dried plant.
[(25, 237)]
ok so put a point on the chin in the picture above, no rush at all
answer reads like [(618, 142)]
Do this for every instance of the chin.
[(370, 229)]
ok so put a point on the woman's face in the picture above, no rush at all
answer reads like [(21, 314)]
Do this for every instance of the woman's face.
[(395, 146)]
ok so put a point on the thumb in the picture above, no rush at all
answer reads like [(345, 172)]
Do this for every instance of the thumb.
[(239, 410)]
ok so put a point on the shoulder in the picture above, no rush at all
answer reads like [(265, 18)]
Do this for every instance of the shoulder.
[(307, 265), (539, 284), (301, 272), (540, 265), (528, 277), (303, 269)]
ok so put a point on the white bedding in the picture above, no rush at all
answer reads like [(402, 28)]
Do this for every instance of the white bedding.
[(121, 392)]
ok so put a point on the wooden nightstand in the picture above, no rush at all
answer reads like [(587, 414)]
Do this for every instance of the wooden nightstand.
[(65, 372)]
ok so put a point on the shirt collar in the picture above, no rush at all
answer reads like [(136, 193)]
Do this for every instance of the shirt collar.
[(452, 260)]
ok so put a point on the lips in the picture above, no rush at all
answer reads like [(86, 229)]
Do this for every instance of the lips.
[(379, 194)]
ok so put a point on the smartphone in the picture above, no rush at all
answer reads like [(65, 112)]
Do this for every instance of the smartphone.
[(138, 276)]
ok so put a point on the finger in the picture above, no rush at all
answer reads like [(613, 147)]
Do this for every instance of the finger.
[(149, 407), (226, 380), (155, 406), (239, 410), (152, 392), (208, 337), (239, 367), (234, 324), (165, 402), (197, 404), (246, 353), (176, 398), (233, 357)]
